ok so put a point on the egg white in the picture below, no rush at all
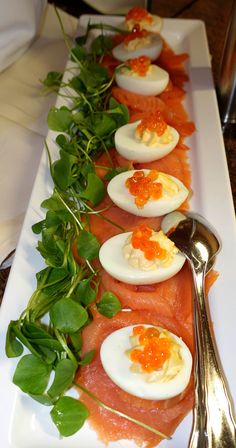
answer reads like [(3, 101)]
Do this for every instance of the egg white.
[(132, 149), (117, 366), (121, 196), (152, 50), (113, 261), (153, 83)]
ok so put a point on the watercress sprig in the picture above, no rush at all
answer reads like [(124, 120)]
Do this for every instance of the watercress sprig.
[(51, 326)]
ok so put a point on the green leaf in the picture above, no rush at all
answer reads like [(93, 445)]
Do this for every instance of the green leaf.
[(53, 79), (76, 340), (95, 190), (49, 356), (34, 331), (65, 170), (87, 358), (69, 415), (50, 276), (93, 76), (13, 347), (68, 316), (52, 219), (109, 305), (99, 72), (103, 124), (85, 293), (53, 203), (32, 375), (51, 247), (50, 343), (61, 140), (87, 245), (38, 227), (77, 84), (37, 335), (78, 53), (101, 44), (64, 374), (120, 112), (59, 119), (81, 40), (24, 340)]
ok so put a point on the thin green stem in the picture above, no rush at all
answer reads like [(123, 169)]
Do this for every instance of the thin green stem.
[(65, 37), (122, 414), (78, 278), (98, 213), (104, 88), (49, 157), (106, 26), (63, 343), (69, 210)]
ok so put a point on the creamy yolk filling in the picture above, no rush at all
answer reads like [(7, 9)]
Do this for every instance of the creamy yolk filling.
[(148, 250), (153, 130), (136, 39), (154, 353), (152, 186)]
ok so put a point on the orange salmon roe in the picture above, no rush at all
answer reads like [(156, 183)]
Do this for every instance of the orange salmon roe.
[(139, 65), (144, 187), (141, 240), (155, 350), (135, 34), (138, 14), (153, 123)]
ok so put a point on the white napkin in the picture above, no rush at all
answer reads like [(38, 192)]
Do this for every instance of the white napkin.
[(23, 125), (19, 24)]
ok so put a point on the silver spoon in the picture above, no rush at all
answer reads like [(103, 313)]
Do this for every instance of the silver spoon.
[(170, 222), (213, 422)]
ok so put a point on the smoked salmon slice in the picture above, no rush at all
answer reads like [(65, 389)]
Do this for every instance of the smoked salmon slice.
[(171, 108), (171, 298)]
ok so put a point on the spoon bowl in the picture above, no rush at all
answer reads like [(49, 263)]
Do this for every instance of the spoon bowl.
[(190, 228), (213, 422)]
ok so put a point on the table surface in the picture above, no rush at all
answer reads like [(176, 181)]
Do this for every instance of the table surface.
[(216, 15)]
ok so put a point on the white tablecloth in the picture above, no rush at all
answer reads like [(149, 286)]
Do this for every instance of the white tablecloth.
[(23, 122)]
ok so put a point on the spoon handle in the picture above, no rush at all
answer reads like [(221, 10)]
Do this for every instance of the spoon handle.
[(213, 422)]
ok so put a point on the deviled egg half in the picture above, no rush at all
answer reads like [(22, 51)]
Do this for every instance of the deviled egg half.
[(141, 257), (147, 361), (147, 193), (138, 75), (144, 20), (146, 140), (139, 43)]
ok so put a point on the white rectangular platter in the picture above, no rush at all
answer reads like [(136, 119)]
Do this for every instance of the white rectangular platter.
[(25, 423)]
